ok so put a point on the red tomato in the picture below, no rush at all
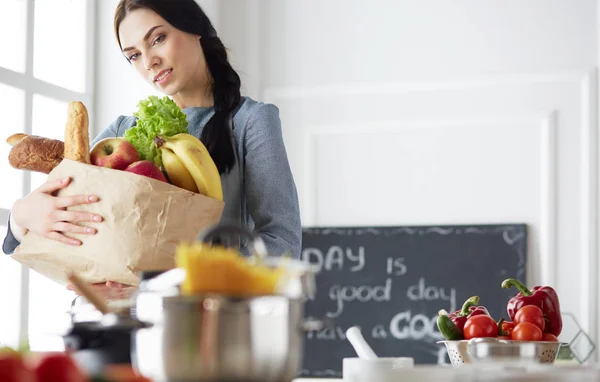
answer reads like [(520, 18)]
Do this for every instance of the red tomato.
[(549, 337), (480, 326), (526, 331), (58, 367), (123, 373), (532, 314), (13, 369)]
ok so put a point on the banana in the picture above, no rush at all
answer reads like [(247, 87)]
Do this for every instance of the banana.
[(176, 171), (197, 160)]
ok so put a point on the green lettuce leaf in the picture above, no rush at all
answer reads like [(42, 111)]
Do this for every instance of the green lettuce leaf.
[(155, 116)]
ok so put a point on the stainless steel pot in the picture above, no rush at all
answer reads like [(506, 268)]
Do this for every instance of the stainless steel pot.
[(222, 338), (214, 338)]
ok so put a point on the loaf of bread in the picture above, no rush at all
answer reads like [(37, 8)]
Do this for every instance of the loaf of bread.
[(15, 138), (77, 138), (36, 153)]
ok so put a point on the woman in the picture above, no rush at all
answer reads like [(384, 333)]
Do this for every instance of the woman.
[(174, 46)]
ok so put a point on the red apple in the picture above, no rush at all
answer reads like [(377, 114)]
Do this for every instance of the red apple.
[(116, 153), (146, 168)]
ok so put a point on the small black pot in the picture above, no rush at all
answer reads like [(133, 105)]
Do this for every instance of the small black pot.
[(94, 346)]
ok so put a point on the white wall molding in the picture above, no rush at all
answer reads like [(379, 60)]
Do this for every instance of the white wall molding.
[(542, 257), (589, 204), (353, 89), (546, 271), (593, 272), (548, 200)]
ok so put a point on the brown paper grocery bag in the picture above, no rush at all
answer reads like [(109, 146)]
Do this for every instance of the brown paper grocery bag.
[(144, 220)]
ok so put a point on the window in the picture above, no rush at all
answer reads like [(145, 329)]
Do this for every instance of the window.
[(51, 49)]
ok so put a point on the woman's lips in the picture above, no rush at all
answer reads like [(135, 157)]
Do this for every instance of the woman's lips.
[(163, 76)]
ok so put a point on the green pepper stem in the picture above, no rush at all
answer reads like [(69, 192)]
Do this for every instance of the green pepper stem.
[(508, 283), (471, 301), (500, 331)]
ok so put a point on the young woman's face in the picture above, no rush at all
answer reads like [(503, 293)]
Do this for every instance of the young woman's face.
[(168, 58)]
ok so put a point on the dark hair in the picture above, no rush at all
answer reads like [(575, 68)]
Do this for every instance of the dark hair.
[(187, 16)]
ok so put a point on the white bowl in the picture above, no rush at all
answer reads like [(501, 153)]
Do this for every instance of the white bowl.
[(382, 369)]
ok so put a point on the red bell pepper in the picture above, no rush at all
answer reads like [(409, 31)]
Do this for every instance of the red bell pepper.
[(452, 325), (505, 328), (544, 297), (469, 309)]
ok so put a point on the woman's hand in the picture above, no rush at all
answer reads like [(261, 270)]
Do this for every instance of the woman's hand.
[(110, 290), (46, 215)]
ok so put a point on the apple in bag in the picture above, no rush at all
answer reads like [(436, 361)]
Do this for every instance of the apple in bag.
[(147, 168), (116, 153)]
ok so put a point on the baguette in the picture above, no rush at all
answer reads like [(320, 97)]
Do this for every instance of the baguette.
[(35, 153), (77, 139), (15, 138)]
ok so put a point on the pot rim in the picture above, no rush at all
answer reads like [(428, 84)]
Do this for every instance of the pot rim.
[(226, 299)]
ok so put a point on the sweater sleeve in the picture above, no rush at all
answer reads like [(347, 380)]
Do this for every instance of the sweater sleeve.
[(271, 194), (10, 242)]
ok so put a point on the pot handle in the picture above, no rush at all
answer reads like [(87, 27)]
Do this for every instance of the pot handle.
[(227, 231)]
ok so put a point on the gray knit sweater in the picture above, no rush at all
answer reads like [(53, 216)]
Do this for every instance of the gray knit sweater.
[(259, 192)]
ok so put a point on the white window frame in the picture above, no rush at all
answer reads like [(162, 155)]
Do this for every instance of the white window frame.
[(31, 85)]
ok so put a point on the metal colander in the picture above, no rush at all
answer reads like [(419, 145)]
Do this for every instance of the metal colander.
[(495, 350)]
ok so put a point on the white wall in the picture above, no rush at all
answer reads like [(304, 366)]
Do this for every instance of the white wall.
[(492, 107)]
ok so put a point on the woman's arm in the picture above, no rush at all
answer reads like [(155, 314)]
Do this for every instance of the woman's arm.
[(271, 194), (15, 233)]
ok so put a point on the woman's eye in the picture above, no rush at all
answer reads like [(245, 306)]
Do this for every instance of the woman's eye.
[(159, 39), (133, 56)]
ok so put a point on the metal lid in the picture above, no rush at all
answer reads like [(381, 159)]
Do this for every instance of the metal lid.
[(121, 321)]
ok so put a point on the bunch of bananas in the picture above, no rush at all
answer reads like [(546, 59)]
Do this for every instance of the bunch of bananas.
[(188, 164)]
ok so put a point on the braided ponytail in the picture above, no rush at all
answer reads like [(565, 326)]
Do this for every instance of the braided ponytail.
[(216, 135)]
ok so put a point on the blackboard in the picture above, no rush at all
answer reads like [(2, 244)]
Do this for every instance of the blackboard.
[(392, 281)]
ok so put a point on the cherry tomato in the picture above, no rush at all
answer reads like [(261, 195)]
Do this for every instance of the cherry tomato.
[(58, 367), (526, 331), (480, 326), (532, 314), (14, 369), (549, 337)]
